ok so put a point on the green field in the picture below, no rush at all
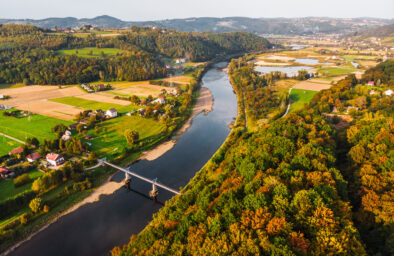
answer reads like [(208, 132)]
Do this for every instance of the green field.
[(111, 140), (95, 52), (22, 128), (92, 105), (299, 96), (6, 145), (360, 57), (335, 71), (7, 188)]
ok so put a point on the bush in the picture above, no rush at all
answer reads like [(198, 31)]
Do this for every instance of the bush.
[(15, 203), (22, 180)]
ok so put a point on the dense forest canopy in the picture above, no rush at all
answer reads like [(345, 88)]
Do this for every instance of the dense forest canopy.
[(298, 185), (28, 54)]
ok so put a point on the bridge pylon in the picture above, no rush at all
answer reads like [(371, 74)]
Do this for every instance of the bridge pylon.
[(154, 192), (127, 180)]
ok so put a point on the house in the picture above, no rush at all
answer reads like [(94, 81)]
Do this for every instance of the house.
[(73, 126), (168, 66), (160, 100), (99, 111), (66, 137), (4, 172), (179, 61), (1, 96), (89, 137), (84, 121), (67, 132), (33, 157), (16, 151), (372, 92), (142, 111), (111, 113), (388, 92), (350, 108), (371, 83), (55, 159), (334, 109)]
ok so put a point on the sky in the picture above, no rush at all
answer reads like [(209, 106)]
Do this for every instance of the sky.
[(141, 10)]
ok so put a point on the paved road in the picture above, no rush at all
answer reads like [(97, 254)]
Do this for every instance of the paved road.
[(288, 106), (12, 138)]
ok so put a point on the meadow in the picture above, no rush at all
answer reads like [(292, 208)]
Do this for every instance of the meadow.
[(92, 105), (298, 97), (6, 145), (7, 188), (90, 52), (111, 141), (36, 126)]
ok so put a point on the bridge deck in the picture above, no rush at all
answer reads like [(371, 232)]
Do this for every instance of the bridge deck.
[(142, 178)]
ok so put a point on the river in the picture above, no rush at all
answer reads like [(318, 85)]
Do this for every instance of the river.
[(94, 229)]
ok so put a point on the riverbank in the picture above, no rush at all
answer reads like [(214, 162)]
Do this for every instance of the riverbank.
[(204, 104)]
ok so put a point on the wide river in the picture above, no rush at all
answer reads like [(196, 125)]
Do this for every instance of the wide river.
[(94, 229)]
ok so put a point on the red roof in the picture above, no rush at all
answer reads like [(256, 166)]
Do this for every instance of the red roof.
[(4, 170), (34, 156), (53, 156), (16, 151)]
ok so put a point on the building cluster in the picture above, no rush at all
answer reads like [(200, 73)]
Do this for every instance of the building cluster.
[(95, 87)]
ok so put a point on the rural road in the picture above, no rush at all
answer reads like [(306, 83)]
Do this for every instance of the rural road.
[(288, 106), (12, 138)]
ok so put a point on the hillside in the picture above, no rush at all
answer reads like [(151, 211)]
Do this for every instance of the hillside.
[(294, 26), (380, 32), (31, 56), (295, 186)]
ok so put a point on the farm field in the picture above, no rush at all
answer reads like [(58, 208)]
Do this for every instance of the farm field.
[(179, 79), (103, 97), (313, 85), (298, 97), (111, 140), (142, 90), (32, 93), (335, 71), (51, 109), (96, 52), (358, 57), (7, 188), (21, 128), (91, 104)]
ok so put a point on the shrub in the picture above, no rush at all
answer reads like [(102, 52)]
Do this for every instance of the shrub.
[(22, 180)]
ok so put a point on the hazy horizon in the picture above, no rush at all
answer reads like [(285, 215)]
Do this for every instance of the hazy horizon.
[(179, 9)]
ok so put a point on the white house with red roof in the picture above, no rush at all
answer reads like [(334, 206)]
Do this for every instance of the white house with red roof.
[(55, 159), (33, 157)]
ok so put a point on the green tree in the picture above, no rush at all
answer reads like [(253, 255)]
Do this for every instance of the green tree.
[(131, 136)]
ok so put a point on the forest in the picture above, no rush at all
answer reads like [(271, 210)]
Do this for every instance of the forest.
[(297, 185), (28, 54)]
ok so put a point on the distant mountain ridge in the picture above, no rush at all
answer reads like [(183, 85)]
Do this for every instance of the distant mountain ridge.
[(296, 26)]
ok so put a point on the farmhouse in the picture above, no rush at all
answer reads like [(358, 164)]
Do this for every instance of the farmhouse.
[(371, 83), (55, 159), (16, 151), (33, 157), (160, 100), (111, 113)]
